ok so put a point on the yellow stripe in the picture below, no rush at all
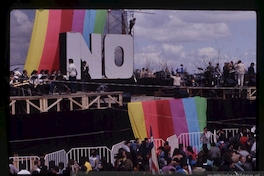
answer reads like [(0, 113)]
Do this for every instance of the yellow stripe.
[(37, 42), (137, 120)]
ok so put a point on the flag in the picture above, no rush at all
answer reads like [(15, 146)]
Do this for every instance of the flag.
[(153, 161)]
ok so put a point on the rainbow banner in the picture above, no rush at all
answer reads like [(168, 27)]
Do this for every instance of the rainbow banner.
[(43, 50), (167, 117)]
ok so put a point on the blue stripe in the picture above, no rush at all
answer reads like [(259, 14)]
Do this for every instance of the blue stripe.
[(88, 26), (191, 119)]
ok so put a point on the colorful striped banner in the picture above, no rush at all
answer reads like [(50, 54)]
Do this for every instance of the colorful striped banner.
[(167, 117), (43, 51)]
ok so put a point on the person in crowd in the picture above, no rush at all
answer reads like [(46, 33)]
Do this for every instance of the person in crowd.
[(105, 166), (36, 166), (247, 166), (161, 156), (242, 151), (94, 160), (241, 70), (181, 150), (166, 169), (211, 68), (191, 155), (124, 163), (139, 163), (142, 73), (167, 149), (72, 73), (243, 139), (144, 151), (61, 167), (214, 152), (126, 146), (12, 169), (183, 167), (205, 137)]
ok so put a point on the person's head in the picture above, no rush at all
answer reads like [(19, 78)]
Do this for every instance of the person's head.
[(248, 159), (137, 140), (180, 146), (94, 152), (213, 144), (190, 149), (242, 159), (124, 154), (252, 64), (169, 160), (205, 129), (210, 63), (25, 72), (37, 163), (146, 140), (166, 143), (84, 63), (70, 61)]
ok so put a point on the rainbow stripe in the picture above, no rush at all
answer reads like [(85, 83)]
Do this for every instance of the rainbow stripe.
[(43, 50), (167, 117)]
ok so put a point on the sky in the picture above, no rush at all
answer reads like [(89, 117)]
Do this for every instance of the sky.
[(168, 38)]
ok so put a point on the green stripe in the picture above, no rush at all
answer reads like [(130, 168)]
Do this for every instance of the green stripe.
[(100, 21), (201, 108)]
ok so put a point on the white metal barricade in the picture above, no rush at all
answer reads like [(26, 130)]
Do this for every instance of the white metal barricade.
[(27, 160), (193, 139), (77, 153), (58, 156)]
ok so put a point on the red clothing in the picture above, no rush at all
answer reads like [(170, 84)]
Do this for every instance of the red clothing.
[(191, 154), (243, 140)]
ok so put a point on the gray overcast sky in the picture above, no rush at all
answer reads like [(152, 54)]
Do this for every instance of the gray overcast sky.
[(172, 37)]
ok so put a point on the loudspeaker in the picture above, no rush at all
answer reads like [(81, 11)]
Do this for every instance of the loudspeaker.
[(126, 97), (252, 82), (230, 82), (179, 93)]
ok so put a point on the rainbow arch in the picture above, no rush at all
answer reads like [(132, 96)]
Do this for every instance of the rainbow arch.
[(43, 52)]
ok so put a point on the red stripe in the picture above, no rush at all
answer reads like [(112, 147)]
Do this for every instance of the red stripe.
[(150, 114), (51, 41), (66, 26), (165, 123)]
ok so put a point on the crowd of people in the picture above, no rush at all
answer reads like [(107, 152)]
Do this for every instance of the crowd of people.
[(211, 74), (237, 153), (46, 83)]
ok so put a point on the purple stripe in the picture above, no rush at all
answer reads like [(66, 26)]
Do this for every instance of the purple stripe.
[(78, 20), (178, 116)]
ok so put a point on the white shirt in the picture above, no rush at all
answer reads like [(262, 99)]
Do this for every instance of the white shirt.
[(24, 172), (72, 71), (176, 80), (240, 68)]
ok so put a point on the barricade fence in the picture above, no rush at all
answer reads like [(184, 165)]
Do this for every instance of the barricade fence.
[(27, 161), (192, 139)]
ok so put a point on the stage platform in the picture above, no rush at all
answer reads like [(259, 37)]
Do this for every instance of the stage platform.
[(63, 102), (213, 92), (100, 100)]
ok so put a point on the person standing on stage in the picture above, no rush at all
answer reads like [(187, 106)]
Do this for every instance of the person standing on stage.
[(251, 70), (176, 80), (205, 137), (72, 72), (241, 70), (85, 76)]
